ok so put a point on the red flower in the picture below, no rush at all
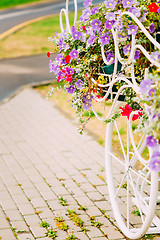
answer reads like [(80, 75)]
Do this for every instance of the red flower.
[(64, 70), (135, 117), (153, 7), (48, 54), (68, 78), (59, 77), (67, 58), (138, 115), (126, 111), (84, 28)]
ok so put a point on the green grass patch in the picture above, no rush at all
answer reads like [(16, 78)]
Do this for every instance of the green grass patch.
[(91, 114), (33, 39), (13, 3)]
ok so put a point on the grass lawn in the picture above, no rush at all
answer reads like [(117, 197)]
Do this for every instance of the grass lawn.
[(32, 39), (13, 3), (94, 126)]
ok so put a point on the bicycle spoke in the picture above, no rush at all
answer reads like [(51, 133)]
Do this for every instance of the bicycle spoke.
[(137, 196), (140, 146), (120, 139), (120, 184)]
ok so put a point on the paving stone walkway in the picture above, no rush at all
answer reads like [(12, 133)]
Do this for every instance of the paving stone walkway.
[(49, 174)]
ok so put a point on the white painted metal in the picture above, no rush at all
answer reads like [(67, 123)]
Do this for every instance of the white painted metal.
[(144, 177), (143, 206)]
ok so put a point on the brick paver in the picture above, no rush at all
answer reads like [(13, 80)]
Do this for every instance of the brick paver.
[(43, 162)]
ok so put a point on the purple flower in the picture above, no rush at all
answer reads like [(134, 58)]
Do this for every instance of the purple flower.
[(118, 24), (71, 89), (132, 29), (137, 54), (94, 10), (76, 35), (152, 28), (126, 49), (145, 85), (127, 3), (135, 11), (155, 162), (79, 84), (110, 16), (155, 56), (85, 14), (83, 38), (60, 44), (109, 24), (151, 142), (110, 4), (96, 25), (74, 54), (87, 3), (73, 28), (86, 106), (105, 39), (143, 18), (88, 98), (61, 75), (91, 39), (59, 57), (69, 70), (152, 92), (159, 10), (53, 67), (110, 55), (63, 61), (56, 34)]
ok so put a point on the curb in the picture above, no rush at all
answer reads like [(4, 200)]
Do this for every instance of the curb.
[(19, 26), (32, 85)]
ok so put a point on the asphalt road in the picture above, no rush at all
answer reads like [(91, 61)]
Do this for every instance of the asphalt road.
[(15, 73), (12, 17)]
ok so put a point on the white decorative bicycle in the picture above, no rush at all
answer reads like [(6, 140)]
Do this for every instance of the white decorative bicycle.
[(132, 186)]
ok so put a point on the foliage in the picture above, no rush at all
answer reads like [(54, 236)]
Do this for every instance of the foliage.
[(76, 219), (63, 202), (50, 232), (12, 3), (89, 60), (95, 223)]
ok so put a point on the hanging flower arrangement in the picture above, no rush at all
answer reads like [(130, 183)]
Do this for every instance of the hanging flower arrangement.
[(87, 59)]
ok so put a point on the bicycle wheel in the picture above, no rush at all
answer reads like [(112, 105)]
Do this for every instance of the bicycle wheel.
[(131, 184)]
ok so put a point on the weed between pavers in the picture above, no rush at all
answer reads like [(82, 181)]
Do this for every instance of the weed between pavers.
[(84, 208), (50, 233), (53, 234), (12, 228), (76, 220), (101, 177), (60, 223), (63, 202), (70, 237), (136, 212), (95, 223)]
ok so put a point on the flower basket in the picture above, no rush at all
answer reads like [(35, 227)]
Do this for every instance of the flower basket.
[(112, 52), (108, 69)]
